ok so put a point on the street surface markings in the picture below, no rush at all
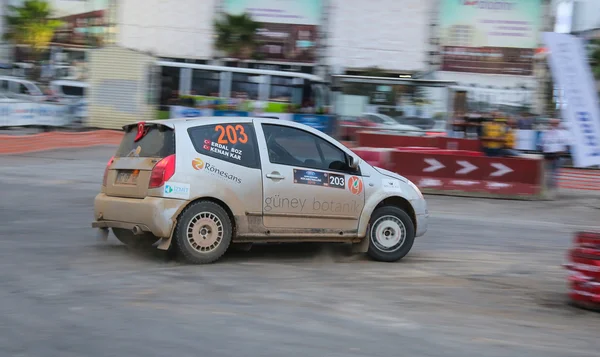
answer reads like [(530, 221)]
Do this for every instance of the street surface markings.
[(579, 179)]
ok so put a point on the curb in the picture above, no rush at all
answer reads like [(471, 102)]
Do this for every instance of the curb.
[(11, 144)]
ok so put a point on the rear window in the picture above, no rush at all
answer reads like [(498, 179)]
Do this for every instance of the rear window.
[(73, 91), (159, 141), (231, 142)]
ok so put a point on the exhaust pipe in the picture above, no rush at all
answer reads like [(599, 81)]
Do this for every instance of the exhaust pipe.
[(137, 230)]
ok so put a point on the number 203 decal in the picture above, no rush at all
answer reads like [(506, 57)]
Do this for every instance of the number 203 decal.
[(337, 181), (231, 134)]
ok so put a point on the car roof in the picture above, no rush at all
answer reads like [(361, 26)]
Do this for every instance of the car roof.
[(185, 123), (193, 121), (16, 79), (66, 82)]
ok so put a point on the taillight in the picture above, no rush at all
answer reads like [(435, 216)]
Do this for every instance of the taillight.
[(112, 159), (162, 171)]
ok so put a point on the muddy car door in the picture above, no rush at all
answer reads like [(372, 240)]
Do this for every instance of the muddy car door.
[(307, 184)]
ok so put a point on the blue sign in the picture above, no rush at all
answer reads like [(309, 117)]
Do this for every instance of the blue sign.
[(230, 113), (323, 123), (190, 112)]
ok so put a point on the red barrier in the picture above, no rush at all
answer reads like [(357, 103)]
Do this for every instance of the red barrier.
[(379, 157), (584, 269), (387, 140), (459, 144), (472, 174)]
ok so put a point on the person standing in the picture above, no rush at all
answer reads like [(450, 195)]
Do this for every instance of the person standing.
[(493, 136), (510, 139), (554, 148)]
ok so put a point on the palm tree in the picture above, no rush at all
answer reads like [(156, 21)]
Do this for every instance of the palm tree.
[(595, 58), (30, 24), (236, 35)]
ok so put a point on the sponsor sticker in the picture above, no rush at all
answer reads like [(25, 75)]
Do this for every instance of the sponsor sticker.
[(319, 178), (199, 164), (308, 177), (355, 185), (177, 190)]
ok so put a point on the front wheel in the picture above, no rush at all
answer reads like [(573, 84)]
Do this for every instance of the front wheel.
[(391, 234)]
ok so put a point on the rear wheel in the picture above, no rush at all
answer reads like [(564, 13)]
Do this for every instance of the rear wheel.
[(142, 241), (203, 233), (391, 234)]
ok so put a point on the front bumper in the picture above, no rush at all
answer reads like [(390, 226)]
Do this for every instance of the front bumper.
[(422, 224), (152, 214)]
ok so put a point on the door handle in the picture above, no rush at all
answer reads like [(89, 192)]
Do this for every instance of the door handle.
[(275, 176)]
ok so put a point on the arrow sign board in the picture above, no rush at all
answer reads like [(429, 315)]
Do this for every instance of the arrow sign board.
[(434, 165), (466, 167), (501, 169)]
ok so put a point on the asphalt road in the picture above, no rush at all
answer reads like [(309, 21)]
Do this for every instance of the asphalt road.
[(485, 281)]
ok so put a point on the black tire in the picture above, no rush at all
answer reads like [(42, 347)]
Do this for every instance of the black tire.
[(202, 247), (142, 241), (396, 219)]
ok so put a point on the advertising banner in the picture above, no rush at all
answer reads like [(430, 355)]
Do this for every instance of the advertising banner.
[(572, 73), (25, 114), (489, 36), (288, 29)]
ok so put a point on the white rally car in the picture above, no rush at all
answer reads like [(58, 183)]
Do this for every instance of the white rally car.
[(198, 185)]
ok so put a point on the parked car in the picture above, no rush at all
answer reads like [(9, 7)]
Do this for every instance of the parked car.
[(22, 89), (68, 91), (377, 121)]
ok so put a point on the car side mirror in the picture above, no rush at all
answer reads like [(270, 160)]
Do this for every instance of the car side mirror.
[(353, 161)]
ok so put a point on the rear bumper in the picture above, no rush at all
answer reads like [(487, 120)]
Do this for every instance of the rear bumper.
[(152, 214)]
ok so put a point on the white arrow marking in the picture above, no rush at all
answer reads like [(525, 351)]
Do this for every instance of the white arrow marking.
[(498, 185), (434, 165), (467, 167), (502, 169)]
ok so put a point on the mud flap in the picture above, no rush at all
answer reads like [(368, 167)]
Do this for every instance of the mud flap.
[(362, 246), (102, 234), (164, 243)]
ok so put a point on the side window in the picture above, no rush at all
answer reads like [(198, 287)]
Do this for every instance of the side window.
[(295, 147), (23, 89), (3, 85), (375, 119), (231, 142)]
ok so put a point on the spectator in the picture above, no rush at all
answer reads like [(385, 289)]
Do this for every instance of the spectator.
[(554, 148), (493, 136), (510, 139)]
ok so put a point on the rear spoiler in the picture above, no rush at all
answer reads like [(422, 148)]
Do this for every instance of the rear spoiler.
[(156, 123)]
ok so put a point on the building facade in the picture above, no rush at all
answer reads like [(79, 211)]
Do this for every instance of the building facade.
[(486, 46)]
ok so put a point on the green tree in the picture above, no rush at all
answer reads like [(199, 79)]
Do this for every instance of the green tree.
[(236, 35), (31, 24)]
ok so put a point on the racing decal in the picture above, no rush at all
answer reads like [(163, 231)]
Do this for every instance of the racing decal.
[(226, 137), (198, 164), (282, 203), (177, 190), (337, 181), (355, 185), (223, 149), (319, 178)]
